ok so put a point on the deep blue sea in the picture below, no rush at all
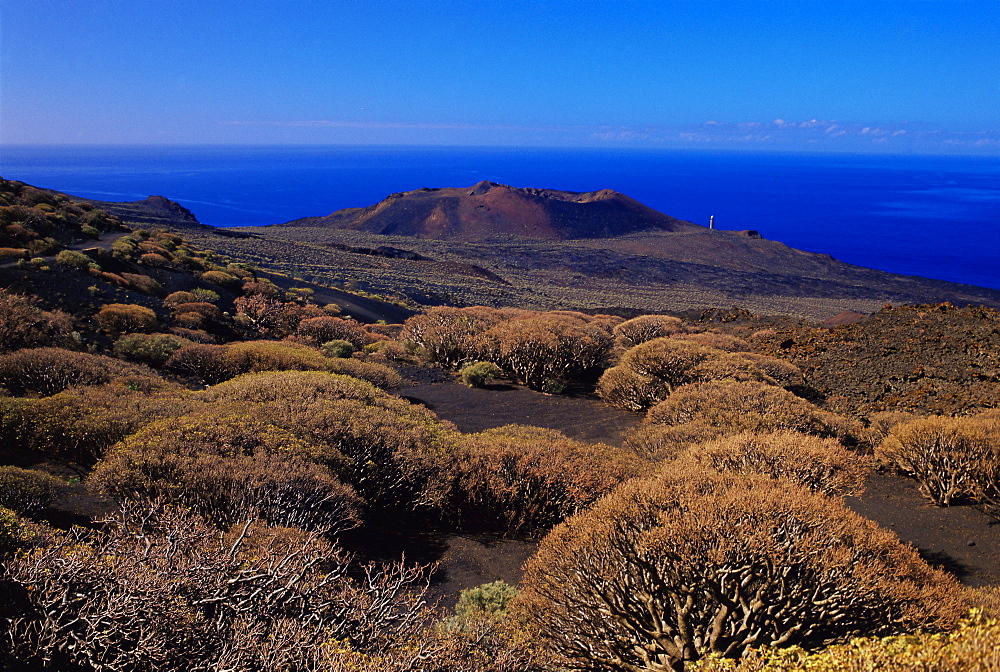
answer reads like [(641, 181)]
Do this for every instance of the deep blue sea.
[(935, 216)]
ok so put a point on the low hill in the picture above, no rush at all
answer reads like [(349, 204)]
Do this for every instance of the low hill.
[(488, 211)]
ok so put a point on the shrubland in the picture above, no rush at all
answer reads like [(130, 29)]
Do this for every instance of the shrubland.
[(668, 569), (252, 430)]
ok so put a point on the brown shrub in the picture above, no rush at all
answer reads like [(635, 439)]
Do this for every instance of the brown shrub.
[(270, 317), (25, 325), (28, 492), (13, 253), (649, 372), (550, 352), (230, 468), (661, 443), (144, 284), (396, 458), (631, 333), (394, 454), (323, 329), (157, 589), (194, 321), (817, 464), (47, 371), (524, 480), (717, 340), (180, 297), (120, 318), (748, 406), (205, 362), (77, 426), (203, 308), (154, 260), (300, 386), (223, 279), (951, 458), (671, 568), (448, 336)]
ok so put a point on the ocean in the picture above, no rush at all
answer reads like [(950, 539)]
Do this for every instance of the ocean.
[(934, 216)]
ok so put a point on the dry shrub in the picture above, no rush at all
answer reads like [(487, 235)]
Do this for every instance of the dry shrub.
[(157, 589), (394, 454), (229, 468), (448, 336), (270, 317), (196, 335), (25, 325), (176, 298), (396, 457), (387, 351), (951, 458), (749, 407), (205, 362), (649, 372), (222, 279), (631, 333), (523, 480), (78, 425), (154, 260), (28, 492), (782, 372), (123, 318), (550, 352), (297, 386), (205, 309), (661, 443), (668, 569), (13, 253), (970, 647), (194, 321), (819, 465), (144, 284), (47, 371), (375, 373), (329, 328)]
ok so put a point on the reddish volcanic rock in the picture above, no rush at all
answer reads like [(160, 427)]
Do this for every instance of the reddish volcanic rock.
[(489, 211)]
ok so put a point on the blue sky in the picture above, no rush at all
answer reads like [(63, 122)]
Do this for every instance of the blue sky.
[(882, 75)]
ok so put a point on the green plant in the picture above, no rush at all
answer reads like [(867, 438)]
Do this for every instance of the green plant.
[(480, 374), (488, 598), (152, 349), (337, 349), (77, 260)]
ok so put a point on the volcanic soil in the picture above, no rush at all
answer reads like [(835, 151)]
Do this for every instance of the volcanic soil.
[(959, 539)]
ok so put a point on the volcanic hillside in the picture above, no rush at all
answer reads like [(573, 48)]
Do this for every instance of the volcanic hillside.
[(488, 211)]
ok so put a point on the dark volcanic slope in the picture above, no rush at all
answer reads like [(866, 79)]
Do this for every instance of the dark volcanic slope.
[(152, 210), (489, 211)]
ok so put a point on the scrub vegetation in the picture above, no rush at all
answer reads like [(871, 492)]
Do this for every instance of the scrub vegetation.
[(199, 458)]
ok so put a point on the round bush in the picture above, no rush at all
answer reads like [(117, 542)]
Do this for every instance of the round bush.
[(480, 373), (28, 492), (667, 569)]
